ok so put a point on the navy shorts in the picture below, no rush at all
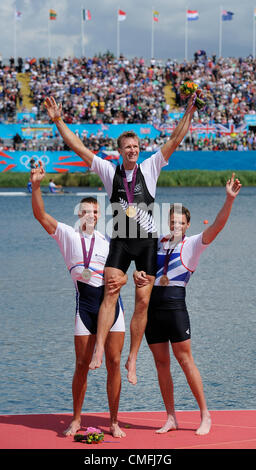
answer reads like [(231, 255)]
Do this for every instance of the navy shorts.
[(168, 318), (122, 251), (88, 303)]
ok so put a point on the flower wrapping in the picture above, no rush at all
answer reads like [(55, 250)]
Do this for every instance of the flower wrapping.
[(91, 436), (189, 88)]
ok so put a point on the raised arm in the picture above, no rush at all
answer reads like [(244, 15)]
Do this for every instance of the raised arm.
[(72, 141), (181, 130), (46, 220), (232, 190)]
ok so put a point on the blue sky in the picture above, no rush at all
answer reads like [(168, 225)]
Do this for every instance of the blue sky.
[(100, 34)]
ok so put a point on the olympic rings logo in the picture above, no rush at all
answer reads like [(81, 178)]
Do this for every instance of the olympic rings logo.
[(26, 159)]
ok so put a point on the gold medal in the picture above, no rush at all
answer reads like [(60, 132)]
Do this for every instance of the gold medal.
[(131, 211), (86, 274), (164, 281)]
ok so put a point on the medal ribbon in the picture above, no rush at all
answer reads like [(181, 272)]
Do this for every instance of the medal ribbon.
[(166, 260), (87, 258), (129, 193), (168, 256)]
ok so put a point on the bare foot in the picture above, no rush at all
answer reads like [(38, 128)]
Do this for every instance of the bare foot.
[(73, 428), (205, 425), (116, 431), (131, 367), (96, 358), (170, 425)]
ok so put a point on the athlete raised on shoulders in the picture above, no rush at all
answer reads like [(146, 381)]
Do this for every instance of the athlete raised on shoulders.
[(131, 188)]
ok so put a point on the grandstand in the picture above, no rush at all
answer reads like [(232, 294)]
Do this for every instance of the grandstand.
[(107, 92)]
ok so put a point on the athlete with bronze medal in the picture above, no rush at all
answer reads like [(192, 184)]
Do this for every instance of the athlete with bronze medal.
[(164, 280)]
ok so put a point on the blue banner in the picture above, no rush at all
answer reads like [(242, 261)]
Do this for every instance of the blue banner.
[(26, 117), (29, 130), (250, 119), (63, 162)]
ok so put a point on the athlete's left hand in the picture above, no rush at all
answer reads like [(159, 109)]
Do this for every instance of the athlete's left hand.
[(191, 106), (233, 186), (140, 278), (37, 174)]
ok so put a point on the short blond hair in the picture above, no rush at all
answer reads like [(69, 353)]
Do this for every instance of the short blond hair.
[(126, 135)]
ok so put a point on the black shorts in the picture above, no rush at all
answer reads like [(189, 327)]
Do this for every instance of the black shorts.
[(140, 250), (168, 318)]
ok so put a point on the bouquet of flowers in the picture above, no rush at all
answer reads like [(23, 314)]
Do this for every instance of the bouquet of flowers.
[(187, 89), (91, 436)]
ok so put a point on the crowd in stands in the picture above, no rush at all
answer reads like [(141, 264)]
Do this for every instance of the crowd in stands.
[(106, 90), (228, 84), (9, 92)]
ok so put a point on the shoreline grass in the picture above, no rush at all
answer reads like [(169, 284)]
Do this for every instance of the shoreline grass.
[(189, 178)]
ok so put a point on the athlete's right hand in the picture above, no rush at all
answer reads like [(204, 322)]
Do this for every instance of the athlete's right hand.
[(115, 282), (54, 110), (37, 174)]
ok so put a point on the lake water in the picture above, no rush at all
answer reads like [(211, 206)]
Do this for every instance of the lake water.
[(37, 308)]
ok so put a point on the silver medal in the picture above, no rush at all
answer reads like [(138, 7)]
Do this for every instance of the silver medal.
[(86, 274)]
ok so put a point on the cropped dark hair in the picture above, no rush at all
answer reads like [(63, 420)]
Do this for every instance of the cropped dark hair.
[(184, 210), (89, 200)]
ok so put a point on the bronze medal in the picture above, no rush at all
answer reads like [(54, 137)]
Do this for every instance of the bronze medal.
[(164, 281), (131, 211)]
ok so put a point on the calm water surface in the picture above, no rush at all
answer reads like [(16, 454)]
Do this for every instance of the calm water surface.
[(37, 308)]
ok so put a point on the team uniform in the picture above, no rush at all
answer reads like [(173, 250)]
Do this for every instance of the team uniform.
[(168, 318), (133, 238), (89, 294)]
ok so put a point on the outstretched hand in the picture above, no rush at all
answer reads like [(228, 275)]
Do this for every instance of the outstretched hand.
[(192, 100), (233, 186), (37, 174), (54, 110)]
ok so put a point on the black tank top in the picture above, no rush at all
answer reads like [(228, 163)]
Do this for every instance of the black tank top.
[(142, 225)]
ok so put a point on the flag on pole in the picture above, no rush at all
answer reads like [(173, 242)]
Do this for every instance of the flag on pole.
[(87, 15), (255, 13), (227, 15), (156, 15), (192, 15), (52, 14), (18, 15), (121, 15)]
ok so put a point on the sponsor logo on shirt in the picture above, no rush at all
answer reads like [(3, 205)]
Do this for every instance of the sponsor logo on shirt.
[(137, 189)]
